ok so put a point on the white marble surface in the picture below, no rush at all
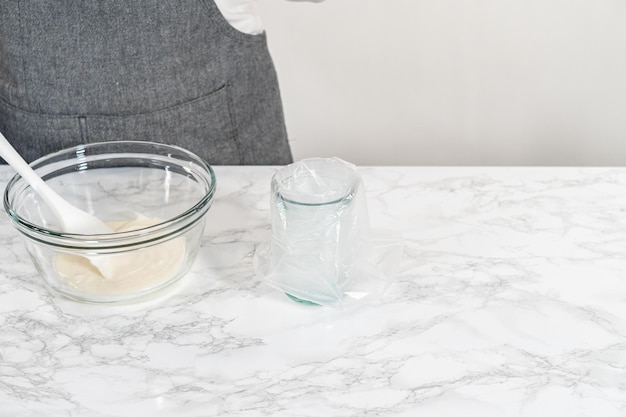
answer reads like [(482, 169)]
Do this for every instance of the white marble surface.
[(510, 301)]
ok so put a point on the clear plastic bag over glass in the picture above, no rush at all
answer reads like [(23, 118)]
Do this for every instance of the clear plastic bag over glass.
[(321, 250)]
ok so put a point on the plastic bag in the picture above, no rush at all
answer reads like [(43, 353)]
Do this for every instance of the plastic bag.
[(322, 250)]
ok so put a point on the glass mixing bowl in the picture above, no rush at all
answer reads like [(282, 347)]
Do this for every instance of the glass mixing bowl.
[(155, 198)]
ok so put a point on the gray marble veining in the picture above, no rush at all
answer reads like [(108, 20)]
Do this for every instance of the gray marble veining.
[(510, 300)]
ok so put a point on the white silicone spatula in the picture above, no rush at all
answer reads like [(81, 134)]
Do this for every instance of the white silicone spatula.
[(73, 220)]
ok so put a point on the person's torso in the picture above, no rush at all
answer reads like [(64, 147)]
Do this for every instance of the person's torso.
[(93, 54), (169, 70)]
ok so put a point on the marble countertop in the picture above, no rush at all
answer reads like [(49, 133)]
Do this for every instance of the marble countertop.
[(510, 300)]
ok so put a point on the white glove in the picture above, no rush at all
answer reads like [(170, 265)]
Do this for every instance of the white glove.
[(242, 15)]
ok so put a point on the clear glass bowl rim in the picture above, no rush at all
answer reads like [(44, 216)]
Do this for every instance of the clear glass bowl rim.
[(121, 239)]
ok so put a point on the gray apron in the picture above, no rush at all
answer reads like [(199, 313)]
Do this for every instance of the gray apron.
[(171, 71)]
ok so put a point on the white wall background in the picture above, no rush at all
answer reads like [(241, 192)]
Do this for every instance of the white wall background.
[(453, 82)]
